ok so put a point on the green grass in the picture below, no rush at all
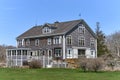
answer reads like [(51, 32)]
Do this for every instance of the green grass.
[(55, 74)]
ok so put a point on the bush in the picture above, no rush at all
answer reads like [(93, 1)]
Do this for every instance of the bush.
[(83, 64), (35, 64), (91, 64), (96, 64), (25, 63)]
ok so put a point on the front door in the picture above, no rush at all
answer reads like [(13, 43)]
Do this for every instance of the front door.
[(81, 53)]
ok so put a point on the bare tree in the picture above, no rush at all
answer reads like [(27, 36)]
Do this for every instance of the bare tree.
[(113, 43), (3, 52)]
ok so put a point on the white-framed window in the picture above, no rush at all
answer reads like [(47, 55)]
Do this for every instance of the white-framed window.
[(92, 53), (56, 40), (81, 41), (27, 42), (58, 53), (19, 42), (46, 30), (49, 41), (69, 53), (92, 42), (81, 29), (37, 41), (69, 40)]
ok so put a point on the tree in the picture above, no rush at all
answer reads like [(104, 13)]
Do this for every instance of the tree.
[(3, 52), (101, 47), (113, 43)]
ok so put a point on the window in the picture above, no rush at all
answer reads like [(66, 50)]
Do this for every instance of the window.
[(69, 40), (57, 52), (19, 42), (92, 52), (92, 42), (81, 29), (37, 42), (56, 40), (69, 53), (81, 41), (46, 30), (28, 42), (49, 41)]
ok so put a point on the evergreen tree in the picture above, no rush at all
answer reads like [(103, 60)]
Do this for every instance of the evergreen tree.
[(101, 47)]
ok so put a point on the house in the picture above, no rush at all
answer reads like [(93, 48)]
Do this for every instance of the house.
[(57, 41)]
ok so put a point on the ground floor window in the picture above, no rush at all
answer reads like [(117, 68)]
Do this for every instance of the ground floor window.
[(69, 53), (58, 52)]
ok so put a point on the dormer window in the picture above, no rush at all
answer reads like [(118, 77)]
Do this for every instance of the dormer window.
[(46, 30)]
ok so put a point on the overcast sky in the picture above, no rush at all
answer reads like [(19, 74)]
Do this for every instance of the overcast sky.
[(17, 16)]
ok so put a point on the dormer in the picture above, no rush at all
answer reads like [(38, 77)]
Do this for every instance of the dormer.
[(46, 29)]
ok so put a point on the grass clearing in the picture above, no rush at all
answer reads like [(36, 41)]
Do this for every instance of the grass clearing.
[(55, 74)]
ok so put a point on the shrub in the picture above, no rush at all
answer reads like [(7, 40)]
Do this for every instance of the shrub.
[(25, 63), (35, 64), (96, 64), (83, 64), (111, 63), (91, 64)]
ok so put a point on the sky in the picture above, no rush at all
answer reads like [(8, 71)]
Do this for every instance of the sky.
[(17, 16)]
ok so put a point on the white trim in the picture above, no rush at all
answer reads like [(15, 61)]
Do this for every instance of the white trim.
[(64, 56)]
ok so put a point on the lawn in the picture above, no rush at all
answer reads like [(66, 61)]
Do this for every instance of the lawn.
[(55, 74)]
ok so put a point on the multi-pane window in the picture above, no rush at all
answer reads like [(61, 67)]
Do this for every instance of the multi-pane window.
[(92, 42), (28, 42), (69, 40), (58, 53), (49, 41), (69, 52), (56, 40), (81, 41), (19, 42), (37, 41), (81, 29), (46, 30)]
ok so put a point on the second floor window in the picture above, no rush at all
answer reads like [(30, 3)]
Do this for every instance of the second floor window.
[(28, 42), (57, 40), (19, 42), (81, 41), (49, 41), (92, 42), (37, 42), (69, 40)]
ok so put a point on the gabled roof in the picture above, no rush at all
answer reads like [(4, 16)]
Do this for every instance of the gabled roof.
[(61, 29)]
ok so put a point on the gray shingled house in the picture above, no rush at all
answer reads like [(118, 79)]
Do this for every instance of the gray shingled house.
[(50, 42)]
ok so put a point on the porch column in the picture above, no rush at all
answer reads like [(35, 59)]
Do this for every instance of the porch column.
[(7, 58), (11, 61), (16, 57), (21, 57), (48, 56), (64, 55)]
